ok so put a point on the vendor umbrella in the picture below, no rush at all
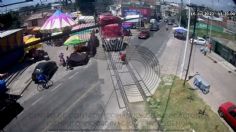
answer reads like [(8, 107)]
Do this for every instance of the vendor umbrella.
[(74, 40), (31, 39)]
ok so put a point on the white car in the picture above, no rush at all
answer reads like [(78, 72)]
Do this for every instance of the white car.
[(199, 41)]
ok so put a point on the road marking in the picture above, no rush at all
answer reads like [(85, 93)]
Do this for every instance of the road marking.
[(73, 75), (81, 97), (56, 87), (60, 117), (35, 102), (20, 114)]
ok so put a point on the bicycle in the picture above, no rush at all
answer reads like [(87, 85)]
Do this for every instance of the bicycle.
[(46, 85)]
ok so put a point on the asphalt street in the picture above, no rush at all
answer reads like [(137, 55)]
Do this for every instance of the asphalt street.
[(155, 43), (222, 82), (74, 103), (79, 100)]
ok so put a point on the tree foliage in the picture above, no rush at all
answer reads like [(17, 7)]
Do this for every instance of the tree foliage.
[(184, 19), (86, 7), (9, 20)]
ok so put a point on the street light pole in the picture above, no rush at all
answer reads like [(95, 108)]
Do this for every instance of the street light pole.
[(191, 50), (186, 42), (181, 8)]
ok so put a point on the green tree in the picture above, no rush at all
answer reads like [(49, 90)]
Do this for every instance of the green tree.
[(184, 19), (86, 7), (10, 20)]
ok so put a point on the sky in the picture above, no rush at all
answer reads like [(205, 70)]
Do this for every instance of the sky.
[(21, 5), (216, 4)]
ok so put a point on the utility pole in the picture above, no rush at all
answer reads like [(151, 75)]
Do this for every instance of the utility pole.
[(194, 29), (181, 8), (207, 27)]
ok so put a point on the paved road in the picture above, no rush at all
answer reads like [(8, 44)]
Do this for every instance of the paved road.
[(222, 82), (76, 102), (155, 43), (80, 99)]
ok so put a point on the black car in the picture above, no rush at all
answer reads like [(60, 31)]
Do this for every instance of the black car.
[(180, 35), (78, 59), (154, 27), (47, 68)]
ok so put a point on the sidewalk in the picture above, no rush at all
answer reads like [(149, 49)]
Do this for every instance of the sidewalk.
[(215, 70), (171, 57), (23, 82), (218, 59)]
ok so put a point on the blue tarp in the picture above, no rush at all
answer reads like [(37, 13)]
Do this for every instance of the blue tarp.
[(7, 60), (180, 30), (2, 86)]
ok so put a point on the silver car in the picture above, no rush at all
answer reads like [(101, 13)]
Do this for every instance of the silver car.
[(199, 41)]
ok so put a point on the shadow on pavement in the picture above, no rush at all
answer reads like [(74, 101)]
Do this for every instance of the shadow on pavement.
[(9, 109), (17, 67), (9, 96)]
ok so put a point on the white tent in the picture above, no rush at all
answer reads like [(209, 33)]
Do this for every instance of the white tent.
[(85, 19), (181, 28), (132, 16)]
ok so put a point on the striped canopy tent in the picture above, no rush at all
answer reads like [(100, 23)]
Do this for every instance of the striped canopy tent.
[(57, 22)]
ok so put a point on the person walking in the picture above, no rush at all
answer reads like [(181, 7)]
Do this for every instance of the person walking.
[(210, 47), (62, 60), (167, 27), (123, 57), (92, 45), (205, 50), (67, 63)]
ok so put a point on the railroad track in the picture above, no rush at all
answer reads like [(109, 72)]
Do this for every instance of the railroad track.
[(120, 87)]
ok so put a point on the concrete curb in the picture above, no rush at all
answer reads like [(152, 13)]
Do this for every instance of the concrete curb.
[(25, 88), (221, 61)]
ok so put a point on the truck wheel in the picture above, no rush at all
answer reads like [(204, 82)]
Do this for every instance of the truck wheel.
[(205, 91), (220, 113)]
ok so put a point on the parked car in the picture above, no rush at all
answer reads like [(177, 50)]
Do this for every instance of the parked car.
[(47, 68), (180, 35), (144, 34), (37, 55), (78, 59), (199, 41), (227, 111), (170, 23), (154, 27)]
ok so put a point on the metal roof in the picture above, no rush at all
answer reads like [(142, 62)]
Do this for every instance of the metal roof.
[(39, 16), (9, 32)]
